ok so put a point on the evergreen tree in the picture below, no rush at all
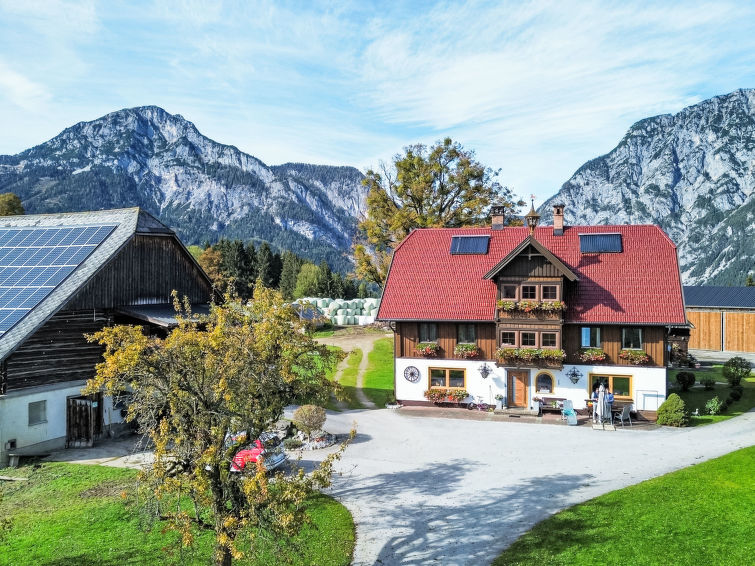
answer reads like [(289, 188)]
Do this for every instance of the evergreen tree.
[(750, 282), (265, 268), (251, 253), (349, 289), (291, 264), (337, 289), (324, 281), (277, 269)]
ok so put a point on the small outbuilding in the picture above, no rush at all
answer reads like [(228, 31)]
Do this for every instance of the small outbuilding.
[(723, 318)]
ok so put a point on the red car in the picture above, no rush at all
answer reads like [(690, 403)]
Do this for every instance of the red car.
[(268, 446)]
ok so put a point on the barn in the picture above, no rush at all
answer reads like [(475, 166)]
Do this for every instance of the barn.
[(63, 276), (723, 318)]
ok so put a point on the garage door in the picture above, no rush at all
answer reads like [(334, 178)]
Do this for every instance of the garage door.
[(740, 332), (706, 335)]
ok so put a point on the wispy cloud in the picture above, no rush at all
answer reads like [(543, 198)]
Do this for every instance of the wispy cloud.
[(537, 88)]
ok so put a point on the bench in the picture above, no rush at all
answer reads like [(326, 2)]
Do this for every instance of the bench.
[(15, 457), (546, 404)]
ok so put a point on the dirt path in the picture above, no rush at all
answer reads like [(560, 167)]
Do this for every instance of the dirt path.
[(349, 342)]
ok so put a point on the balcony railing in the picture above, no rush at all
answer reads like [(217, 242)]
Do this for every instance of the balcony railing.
[(530, 357), (536, 310)]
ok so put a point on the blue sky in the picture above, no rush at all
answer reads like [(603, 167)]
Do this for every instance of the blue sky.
[(535, 88)]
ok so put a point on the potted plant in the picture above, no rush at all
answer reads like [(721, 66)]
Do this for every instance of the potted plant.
[(427, 349), (592, 355), (436, 395), (527, 306), (507, 305), (467, 350), (634, 357), (552, 306), (458, 395), (499, 401)]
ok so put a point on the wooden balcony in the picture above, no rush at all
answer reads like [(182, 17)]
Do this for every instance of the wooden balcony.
[(554, 316)]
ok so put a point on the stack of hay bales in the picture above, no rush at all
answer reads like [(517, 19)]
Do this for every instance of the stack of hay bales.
[(344, 313)]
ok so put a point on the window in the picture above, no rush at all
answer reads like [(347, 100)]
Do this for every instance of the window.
[(619, 385), (465, 334), (508, 338), (548, 340), (529, 292), (508, 292), (631, 338), (550, 292), (528, 338), (590, 337), (544, 383), (37, 412), (449, 378), (428, 332)]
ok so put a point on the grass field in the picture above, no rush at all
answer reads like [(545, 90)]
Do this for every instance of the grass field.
[(70, 514), (378, 379), (696, 397), (699, 515)]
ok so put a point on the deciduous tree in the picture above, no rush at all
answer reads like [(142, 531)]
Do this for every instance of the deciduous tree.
[(440, 186), (196, 390), (10, 205)]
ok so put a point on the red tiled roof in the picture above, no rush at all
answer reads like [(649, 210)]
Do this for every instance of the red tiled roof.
[(640, 285)]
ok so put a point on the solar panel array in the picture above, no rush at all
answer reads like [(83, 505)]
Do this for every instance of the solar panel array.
[(469, 244), (33, 261), (600, 243)]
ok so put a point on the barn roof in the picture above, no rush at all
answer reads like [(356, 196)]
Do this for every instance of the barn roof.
[(640, 284), (720, 297), (46, 258)]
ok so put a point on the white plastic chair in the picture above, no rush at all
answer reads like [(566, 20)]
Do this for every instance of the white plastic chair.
[(624, 415)]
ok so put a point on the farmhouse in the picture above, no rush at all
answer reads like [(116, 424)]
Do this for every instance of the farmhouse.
[(723, 318), (534, 312), (64, 275)]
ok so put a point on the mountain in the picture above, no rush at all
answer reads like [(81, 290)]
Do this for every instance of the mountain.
[(203, 189), (693, 173)]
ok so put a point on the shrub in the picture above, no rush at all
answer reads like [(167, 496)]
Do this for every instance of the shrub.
[(685, 379), (708, 383), (672, 412), (309, 418), (292, 443), (713, 406), (736, 369), (735, 395)]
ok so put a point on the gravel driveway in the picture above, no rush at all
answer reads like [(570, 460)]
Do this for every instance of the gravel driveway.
[(447, 491)]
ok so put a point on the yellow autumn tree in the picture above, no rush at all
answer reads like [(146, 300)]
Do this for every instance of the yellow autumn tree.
[(196, 390)]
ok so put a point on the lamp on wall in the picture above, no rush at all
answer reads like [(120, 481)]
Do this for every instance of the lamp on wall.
[(574, 375), (485, 371)]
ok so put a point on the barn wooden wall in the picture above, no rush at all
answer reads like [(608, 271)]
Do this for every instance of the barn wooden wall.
[(57, 352), (149, 267)]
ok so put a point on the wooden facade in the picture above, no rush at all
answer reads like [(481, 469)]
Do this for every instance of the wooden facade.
[(722, 330), (147, 269), (654, 342)]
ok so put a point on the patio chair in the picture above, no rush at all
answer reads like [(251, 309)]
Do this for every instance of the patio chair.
[(567, 409), (624, 415)]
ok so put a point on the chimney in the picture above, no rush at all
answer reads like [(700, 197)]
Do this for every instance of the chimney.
[(558, 219), (497, 215)]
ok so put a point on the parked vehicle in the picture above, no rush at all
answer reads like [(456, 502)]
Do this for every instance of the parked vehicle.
[(268, 446)]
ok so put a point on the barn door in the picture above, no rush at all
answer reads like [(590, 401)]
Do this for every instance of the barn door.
[(80, 422)]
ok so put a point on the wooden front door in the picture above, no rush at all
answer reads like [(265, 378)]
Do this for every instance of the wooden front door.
[(518, 382), (83, 421)]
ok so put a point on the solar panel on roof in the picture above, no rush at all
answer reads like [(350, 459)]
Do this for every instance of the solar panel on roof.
[(33, 261), (600, 243), (470, 245)]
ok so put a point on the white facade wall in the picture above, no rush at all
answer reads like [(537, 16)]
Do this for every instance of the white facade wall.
[(14, 417), (648, 384)]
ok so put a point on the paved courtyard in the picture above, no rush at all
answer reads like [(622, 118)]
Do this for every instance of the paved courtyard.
[(455, 491)]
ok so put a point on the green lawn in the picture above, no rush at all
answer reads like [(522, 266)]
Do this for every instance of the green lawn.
[(378, 379), (70, 514), (698, 515), (349, 379), (696, 397)]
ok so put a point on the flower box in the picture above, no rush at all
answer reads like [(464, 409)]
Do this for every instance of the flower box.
[(467, 351), (440, 395), (537, 357), (592, 355), (427, 349), (634, 357)]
